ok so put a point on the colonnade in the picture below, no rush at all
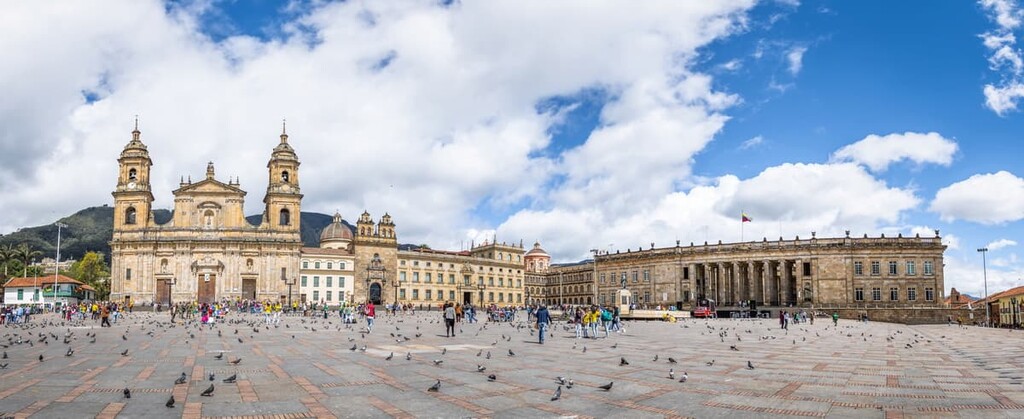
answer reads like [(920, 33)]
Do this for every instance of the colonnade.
[(768, 282)]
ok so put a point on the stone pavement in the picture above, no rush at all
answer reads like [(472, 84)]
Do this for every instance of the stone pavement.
[(305, 368)]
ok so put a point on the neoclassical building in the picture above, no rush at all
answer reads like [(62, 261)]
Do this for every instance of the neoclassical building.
[(327, 274), (489, 273), (207, 251), (896, 272)]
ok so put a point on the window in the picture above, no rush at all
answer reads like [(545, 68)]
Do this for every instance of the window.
[(208, 218), (490, 281), (401, 277), (415, 263), (928, 268), (602, 278), (647, 296), (647, 275), (519, 297), (892, 267), (876, 268), (341, 295), (416, 277), (129, 215), (623, 279), (451, 278), (501, 297), (858, 294), (929, 294), (501, 282), (132, 174), (316, 281), (428, 264), (428, 293), (21, 294), (912, 294), (328, 282), (401, 294), (894, 294), (285, 217), (519, 283), (465, 280), (686, 272), (426, 278), (636, 278), (858, 268), (341, 265), (328, 296), (911, 268), (480, 281), (440, 295), (341, 282), (284, 176), (415, 294), (316, 296), (490, 297), (305, 264), (128, 274), (330, 265), (451, 295), (876, 294), (303, 280), (35, 295), (316, 265)]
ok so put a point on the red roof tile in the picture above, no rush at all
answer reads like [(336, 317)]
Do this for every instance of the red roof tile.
[(40, 280)]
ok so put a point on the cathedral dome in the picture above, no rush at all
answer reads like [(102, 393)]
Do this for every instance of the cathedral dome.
[(335, 232), (537, 250)]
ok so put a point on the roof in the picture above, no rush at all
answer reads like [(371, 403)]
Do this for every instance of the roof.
[(1005, 294), (40, 281), (324, 251), (336, 230), (537, 251), (88, 288)]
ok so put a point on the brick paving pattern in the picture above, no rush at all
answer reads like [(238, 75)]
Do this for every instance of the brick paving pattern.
[(306, 368)]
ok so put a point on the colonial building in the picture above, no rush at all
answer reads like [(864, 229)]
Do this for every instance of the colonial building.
[(491, 273), (327, 274), (883, 271), (207, 251), (39, 290)]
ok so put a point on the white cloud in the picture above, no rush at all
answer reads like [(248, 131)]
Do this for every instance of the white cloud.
[(878, 152), (991, 198), (751, 143), (731, 65), (447, 125), (1002, 98), (1006, 13), (795, 57), (1001, 243), (792, 3)]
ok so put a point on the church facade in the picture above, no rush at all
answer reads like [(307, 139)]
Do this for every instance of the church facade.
[(208, 251)]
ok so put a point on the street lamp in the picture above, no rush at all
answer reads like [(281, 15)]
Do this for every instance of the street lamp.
[(527, 292), (170, 284), (1013, 311), (984, 270), (289, 283), (481, 287), (594, 279), (56, 267)]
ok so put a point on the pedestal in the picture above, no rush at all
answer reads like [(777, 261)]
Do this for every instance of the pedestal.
[(624, 299)]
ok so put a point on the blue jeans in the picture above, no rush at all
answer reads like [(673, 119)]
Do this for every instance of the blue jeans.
[(542, 329)]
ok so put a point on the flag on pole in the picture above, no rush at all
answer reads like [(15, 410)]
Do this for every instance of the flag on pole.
[(744, 218)]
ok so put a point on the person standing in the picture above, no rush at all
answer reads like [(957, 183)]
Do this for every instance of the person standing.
[(105, 316), (835, 318), (370, 314), (449, 320), (543, 321)]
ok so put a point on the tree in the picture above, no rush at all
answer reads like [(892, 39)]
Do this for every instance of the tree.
[(92, 269), (26, 255), (7, 255)]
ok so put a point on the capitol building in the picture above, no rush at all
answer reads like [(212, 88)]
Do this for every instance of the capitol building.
[(208, 252)]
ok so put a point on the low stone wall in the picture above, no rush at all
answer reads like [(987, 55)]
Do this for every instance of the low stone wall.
[(654, 314), (915, 315)]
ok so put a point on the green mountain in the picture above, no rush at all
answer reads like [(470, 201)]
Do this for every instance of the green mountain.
[(90, 230)]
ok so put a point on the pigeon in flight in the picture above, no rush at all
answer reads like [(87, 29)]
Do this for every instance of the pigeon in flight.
[(435, 387), (3, 366)]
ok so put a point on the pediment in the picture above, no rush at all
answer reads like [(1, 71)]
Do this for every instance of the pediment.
[(209, 186)]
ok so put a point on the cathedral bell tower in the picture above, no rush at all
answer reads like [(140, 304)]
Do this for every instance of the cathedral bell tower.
[(133, 196), (283, 198)]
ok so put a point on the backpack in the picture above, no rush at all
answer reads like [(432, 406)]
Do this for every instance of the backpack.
[(606, 315)]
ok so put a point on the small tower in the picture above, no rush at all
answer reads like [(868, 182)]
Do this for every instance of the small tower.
[(133, 196), (386, 228), (283, 197)]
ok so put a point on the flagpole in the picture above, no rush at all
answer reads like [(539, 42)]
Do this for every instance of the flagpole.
[(741, 225)]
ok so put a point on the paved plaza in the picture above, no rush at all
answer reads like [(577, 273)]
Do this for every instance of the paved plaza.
[(306, 367)]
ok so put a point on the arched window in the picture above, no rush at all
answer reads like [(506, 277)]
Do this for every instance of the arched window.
[(132, 174), (284, 176), (129, 215), (208, 218), (285, 218)]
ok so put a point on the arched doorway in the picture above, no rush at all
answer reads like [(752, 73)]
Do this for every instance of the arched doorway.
[(375, 293)]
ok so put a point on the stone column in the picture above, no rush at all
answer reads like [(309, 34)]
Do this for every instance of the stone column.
[(740, 281), (784, 281), (754, 292)]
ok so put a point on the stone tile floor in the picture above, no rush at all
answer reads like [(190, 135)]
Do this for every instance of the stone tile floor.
[(304, 368)]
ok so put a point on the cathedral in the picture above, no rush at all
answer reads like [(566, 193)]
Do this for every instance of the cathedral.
[(208, 251)]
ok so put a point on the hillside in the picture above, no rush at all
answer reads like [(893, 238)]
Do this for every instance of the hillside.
[(91, 229)]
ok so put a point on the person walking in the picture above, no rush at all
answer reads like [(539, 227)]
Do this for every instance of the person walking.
[(105, 316), (543, 321), (449, 320), (835, 318), (370, 314)]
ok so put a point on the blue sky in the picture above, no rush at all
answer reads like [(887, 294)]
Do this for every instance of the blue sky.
[(578, 124)]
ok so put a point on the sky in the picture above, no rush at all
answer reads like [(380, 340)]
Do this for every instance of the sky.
[(580, 124)]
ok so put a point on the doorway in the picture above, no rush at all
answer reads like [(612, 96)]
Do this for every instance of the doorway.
[(249, 288), (163, 292), (466, 297), (207, 289), (375, 293)]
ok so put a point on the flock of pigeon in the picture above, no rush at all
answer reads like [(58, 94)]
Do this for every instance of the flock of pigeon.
[(142, 326)]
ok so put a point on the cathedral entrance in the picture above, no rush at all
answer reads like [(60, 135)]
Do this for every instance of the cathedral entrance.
[(249, 288), (375, 293), (207, 289), (466, 297), (163, 292)]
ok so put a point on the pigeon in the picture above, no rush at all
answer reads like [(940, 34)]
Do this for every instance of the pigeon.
[(208, 392), (607, 387), (127, 393), (5, 355), (488, 355), (622, 361), (125, 337), (353, 348), (444, 351), (655, 358), (438, 362), (235, 361), (408, 356), (125, 353), (558, 394), (170, 402), (480, 368), (510, 353), (560, 379), (69, 352), (616, 345), (392, 355), (671, 374), (231, 379), (711, 363), (181, 380), (734, 348), (750, 366), (435, 387), (40, 357), (671, 360), (683, 378), (3, 366), (571, 383), (477, 354), (492, 377), (219, 356), (211, 376)]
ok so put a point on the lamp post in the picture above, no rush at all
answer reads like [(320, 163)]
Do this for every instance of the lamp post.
[(170, 283), (984, 270), (527, 292), (289, 283), (594, 279), (1013, 311), (398, 283), (481, 287), (56, 266)]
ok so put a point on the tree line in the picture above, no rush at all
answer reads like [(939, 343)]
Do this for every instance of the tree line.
[(91, 269)]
